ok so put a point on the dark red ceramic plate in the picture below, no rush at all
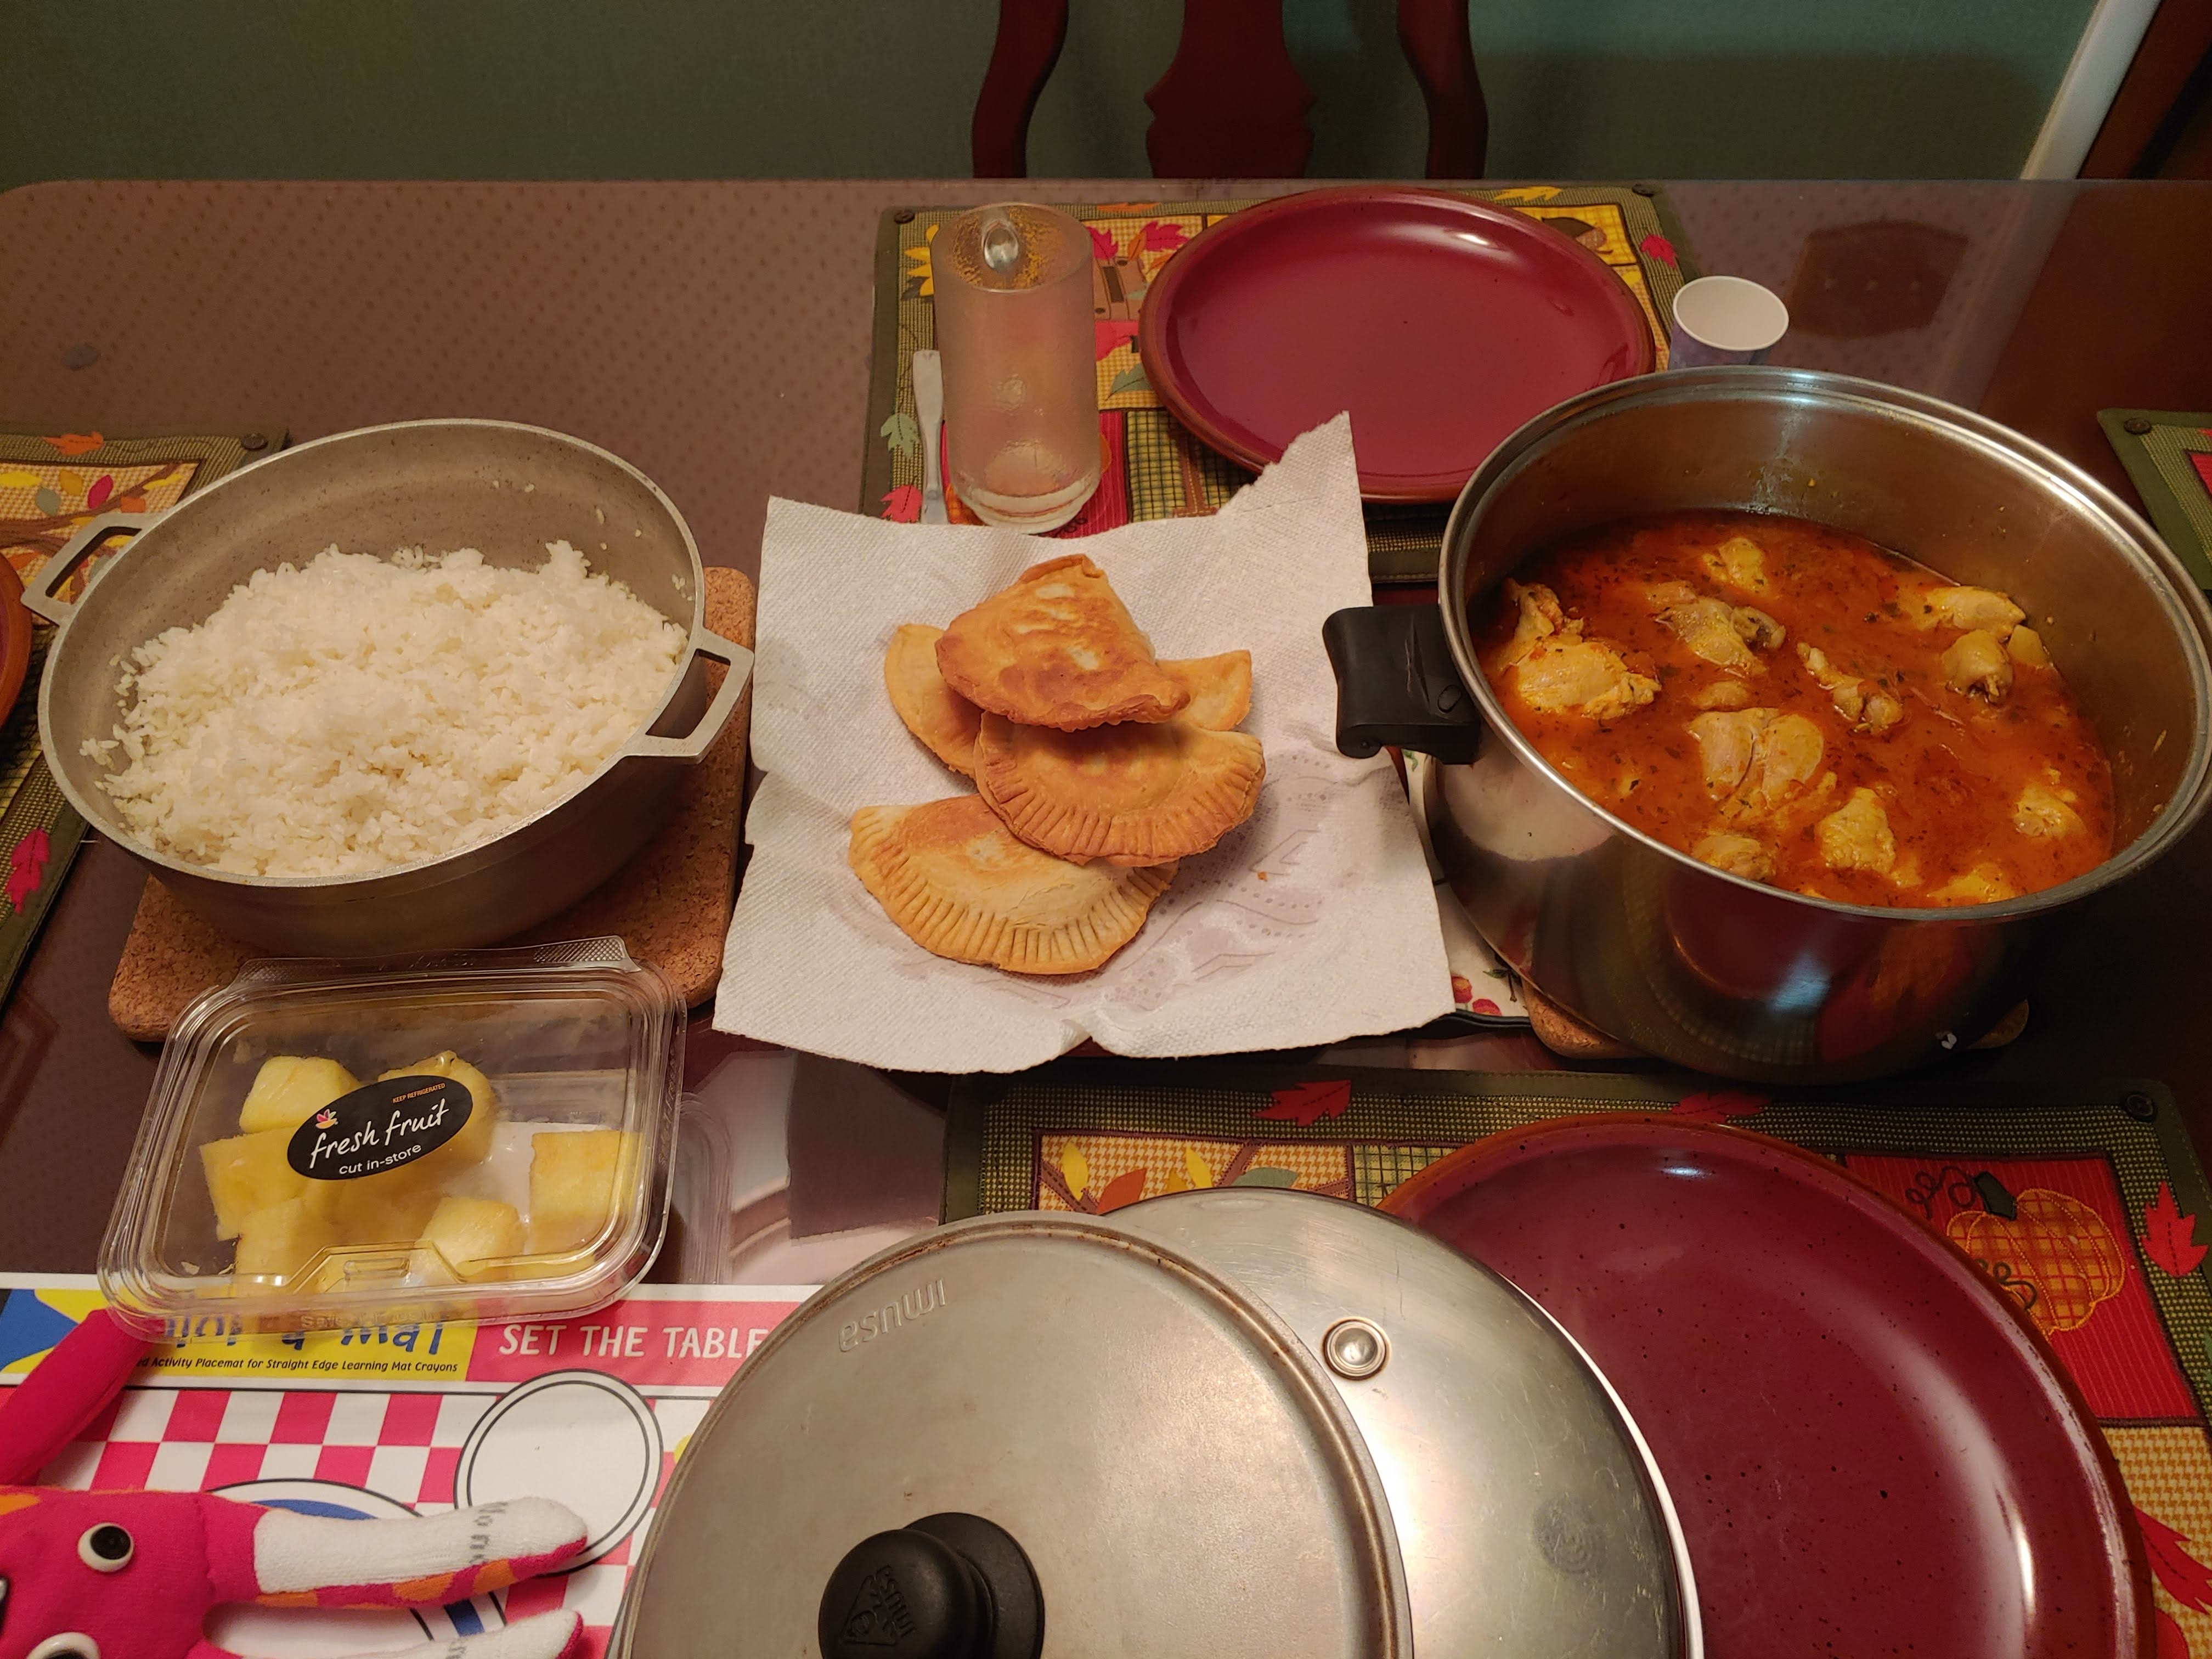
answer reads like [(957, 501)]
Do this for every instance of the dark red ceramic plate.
[(1870, 1450), (15, 637), (1441, 324)]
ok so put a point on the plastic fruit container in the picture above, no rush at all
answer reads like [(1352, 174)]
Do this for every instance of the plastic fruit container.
[(480, 1135)]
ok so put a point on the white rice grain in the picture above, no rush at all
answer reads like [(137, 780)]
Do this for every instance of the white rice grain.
[(358, 713)]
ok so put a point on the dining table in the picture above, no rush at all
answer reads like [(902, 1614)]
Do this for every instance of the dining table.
[(717, 335)]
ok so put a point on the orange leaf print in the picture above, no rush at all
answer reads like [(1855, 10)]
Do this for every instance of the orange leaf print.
[(1125, 1187), (2169, 1237), (77, 443), (2180, 1574)]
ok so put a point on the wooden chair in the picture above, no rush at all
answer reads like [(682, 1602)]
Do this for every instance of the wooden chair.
[(1231, 105)]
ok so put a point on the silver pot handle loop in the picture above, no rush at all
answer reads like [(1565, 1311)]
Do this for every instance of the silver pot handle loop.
[(41, 596), (690, 747)]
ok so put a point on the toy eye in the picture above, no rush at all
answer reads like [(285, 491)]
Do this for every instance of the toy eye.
[(70, 1644), (105, 1548)]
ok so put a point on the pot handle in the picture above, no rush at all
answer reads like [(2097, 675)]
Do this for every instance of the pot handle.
[(1396, 684), (42, 597), (696, 743)]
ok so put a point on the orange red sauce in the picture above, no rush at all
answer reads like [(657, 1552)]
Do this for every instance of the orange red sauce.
[(1949, 776)]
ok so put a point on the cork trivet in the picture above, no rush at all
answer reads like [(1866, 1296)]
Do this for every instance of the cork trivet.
[(1570, 1039), (671, 904), (1565, 1036)]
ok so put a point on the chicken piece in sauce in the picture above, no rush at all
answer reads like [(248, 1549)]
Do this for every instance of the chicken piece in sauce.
[(1728, 636), (1912, 743), (1977, 665), (1970, 608), (1856, 835), (1556, 670), (1874, 711), (1738, 562)]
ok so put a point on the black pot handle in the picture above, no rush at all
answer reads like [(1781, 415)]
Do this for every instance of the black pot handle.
[(1396, 684)]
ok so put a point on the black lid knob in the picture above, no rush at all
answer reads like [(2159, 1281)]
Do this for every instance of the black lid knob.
[(947, 1587)]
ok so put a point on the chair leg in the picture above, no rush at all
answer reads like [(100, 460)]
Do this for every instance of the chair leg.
[(1031, 34), (1441, 52)]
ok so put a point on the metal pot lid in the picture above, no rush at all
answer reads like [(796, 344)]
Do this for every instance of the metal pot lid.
[(1530, 1517), (1020, 1425)]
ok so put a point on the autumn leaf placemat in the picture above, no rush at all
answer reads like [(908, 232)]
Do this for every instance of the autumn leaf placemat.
[(51, 484), (2083, 1203), (1153, 468)]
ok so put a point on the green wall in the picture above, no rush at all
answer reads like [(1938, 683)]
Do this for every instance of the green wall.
[(613, 89)]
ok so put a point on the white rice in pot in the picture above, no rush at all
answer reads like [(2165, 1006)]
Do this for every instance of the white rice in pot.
[(358, 713)]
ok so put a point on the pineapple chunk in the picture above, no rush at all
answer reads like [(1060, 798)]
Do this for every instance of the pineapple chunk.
[(465, 1232), (289, 1089), (574, 1178), (474, 1142), (278, 1241), (247, 1173), (392, 1208)]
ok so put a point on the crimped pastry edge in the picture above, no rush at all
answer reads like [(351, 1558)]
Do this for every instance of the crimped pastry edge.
[(962, 931)]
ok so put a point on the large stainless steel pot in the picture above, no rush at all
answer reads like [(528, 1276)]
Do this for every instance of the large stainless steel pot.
[(1686, 962), (1242, 1423), (504, 489)]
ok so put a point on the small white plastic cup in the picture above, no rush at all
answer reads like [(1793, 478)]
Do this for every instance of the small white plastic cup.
[(1724, 320)]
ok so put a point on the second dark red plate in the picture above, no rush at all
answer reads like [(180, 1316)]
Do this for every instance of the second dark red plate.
[(1443, 323), (1870, 1450)]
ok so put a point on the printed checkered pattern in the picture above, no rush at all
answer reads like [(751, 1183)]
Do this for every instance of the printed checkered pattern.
[(403, 1447), (1378, 1171), (2169, 1472)]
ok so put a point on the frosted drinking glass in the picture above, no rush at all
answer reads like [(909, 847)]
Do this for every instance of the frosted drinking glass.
[(1013, 290)]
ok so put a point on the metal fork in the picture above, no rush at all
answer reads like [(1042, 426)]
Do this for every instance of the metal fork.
[(929, 412)]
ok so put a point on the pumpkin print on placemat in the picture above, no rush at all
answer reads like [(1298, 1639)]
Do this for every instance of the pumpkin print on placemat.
[(2051, 1252), (2052, 1235)]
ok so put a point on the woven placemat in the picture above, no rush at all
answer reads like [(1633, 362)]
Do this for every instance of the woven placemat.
[(2169, 457), (671, 904), (52, 483), (1154, 468), (1093, 1135)]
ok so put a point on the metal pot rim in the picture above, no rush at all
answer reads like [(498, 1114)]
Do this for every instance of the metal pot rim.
[(2176, 592), (427, 871)]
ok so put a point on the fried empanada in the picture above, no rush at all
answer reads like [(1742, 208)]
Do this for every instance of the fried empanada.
[(1130, 795), (943, 720), (1220, 688), (1057, 648), (1220, 691), (959, 884)]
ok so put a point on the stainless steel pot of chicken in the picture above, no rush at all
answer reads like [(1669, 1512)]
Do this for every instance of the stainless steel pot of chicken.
[(1779, 718)]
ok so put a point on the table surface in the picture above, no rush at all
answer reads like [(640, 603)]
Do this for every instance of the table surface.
[(717, 335)]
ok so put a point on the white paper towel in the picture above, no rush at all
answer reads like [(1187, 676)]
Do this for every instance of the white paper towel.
[(1313, 922)]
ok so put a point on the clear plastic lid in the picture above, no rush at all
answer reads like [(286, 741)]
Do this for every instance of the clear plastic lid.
[(484, 1135)]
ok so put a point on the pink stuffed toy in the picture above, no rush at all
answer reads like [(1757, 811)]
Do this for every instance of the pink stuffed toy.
[(133, 1575)]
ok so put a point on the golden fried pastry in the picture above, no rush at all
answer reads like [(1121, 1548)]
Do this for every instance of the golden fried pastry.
[(959, 884), (943, 720), (1057, 648), (1220, 691), (1130, 795), (1220, 688)]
